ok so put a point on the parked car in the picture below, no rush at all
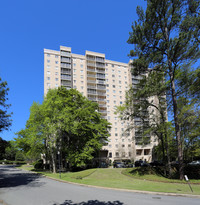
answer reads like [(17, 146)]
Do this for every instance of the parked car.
[(118, 165), (141, 163), (129, 165), (156, 163), (194, 163)]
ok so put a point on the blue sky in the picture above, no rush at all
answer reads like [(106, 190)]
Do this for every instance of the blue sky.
[(27, 27)]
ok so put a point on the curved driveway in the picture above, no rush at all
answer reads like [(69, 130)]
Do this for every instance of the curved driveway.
[(19, 187)]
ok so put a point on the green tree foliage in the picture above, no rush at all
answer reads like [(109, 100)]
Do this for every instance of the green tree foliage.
[(3, 145), (65, 125), (11, 150), (5, 120), (165, 38)]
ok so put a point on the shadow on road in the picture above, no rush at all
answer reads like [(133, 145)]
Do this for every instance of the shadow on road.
[(91, 202), (11, 177)]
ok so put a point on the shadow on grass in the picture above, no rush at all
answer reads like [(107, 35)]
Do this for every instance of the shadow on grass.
[(12, 177), (91, 202), (141, 171)]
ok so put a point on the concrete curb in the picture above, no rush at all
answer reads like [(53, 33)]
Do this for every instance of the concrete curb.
[(124, 190)]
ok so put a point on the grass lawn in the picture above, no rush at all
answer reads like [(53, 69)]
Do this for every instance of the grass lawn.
[(114, 178)]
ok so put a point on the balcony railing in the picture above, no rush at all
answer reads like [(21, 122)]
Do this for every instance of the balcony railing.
[(63, 53), (100, 70), (91, 64), (90, 69), (101, 76), (66, 71), (91, 58), (101, 87), (65, 60), (65, 65), (100, 65), (92, 99), (90, 75), (99, 59), (91, 92), (63, 77), (91, 86), (100, 81), (91, 81)]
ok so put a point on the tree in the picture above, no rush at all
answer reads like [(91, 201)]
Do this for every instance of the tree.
[(165, 38), (67, 126), (5, 120), (3, 145)]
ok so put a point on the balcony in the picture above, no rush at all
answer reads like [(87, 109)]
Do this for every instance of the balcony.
[(66, 77), (91, 86), (65, 60), (101, 93), (64, 53), (100, 65), (99, 87), (92, 92), (101, 99), (91, 75), (90, 58), (65, 65), (91, 64), (91, 81), (102, 76), (91, 69), (100, 70), (92, 99), (65, 83), (100, 81), (100, 59), (65, 71)]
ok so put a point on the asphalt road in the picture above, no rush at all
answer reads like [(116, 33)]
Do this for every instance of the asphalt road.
[(19, 187)]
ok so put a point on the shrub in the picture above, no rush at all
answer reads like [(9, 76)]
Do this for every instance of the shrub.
[(38, 164)]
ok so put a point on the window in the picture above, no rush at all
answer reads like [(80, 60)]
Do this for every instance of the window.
[(123, 145), (125, 82), (106, 64), (74, 70), (120, 82), (115, 129), (48, 61), (81, 65), (74, 60), (48, 66), (81, 82), (123, 154), (114, 102), (74, 64), (120, 91), (116, 134), (48, 72), (107, 96), (122, 140), (48, 78), (114, 96), (107, 90), (113, 81), (56, 73), (48, 55), (116, 145), (108, 117), (114, 91), (115, 118), (109, 145), (129, 154), (113, 76), (115, 123), (120, 102), (82, 87), (81, 61), (113, 66), (56, 56), (113, 86), (117, 154), (56, 79), (81, 76), (56, 85), (48, 84), (110, 154), (129, 145), (107, 85), (74, 81), (56, 62), (56, 67), (120, 97), (81, 71), (116, 140), (119, 76), (108, 101)]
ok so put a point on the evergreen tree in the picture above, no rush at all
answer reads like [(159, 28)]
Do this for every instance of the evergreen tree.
[(165, 38)]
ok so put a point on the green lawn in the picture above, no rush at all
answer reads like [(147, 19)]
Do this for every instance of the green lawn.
[(113, 178)]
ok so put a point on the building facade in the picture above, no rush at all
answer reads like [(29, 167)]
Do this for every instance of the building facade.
[(103, 81)]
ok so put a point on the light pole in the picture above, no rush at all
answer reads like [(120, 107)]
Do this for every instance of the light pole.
[(59, 164)]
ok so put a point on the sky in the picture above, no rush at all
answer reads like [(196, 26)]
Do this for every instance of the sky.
[(27, 27)]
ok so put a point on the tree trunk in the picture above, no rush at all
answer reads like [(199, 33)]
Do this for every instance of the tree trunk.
[(177, 127)]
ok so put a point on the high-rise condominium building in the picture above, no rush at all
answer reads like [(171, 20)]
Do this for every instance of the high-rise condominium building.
[(101, 80)]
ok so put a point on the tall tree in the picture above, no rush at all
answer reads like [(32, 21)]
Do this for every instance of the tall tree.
[(5, 120), (66, 126), (165, 38)]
